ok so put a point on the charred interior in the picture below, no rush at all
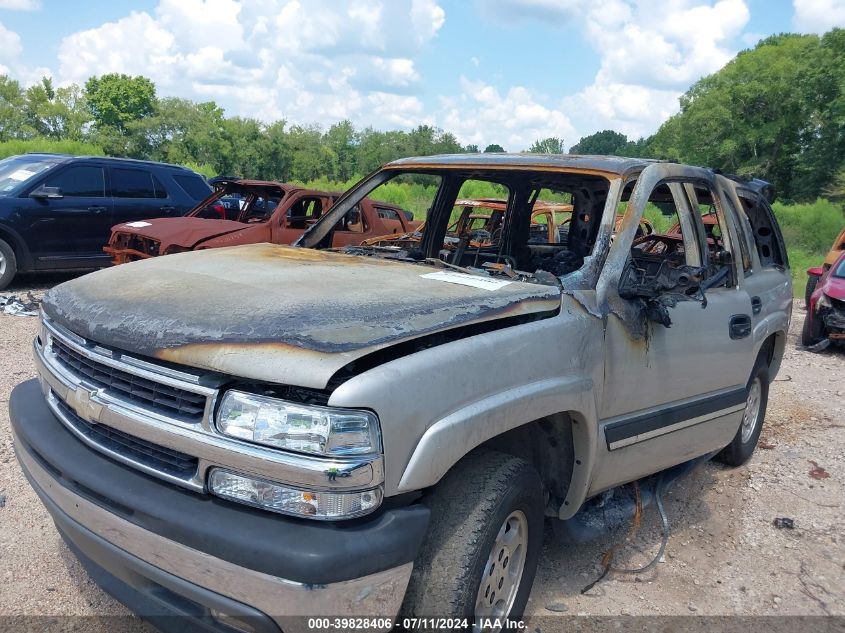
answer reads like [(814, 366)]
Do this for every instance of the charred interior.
[(510, 235)]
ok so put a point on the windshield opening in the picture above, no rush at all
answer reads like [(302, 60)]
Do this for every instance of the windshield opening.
[(17, 170), (240, 203), (530, 225)]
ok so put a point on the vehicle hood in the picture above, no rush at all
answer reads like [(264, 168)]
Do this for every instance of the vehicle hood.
[(186, 232), (275, 313)]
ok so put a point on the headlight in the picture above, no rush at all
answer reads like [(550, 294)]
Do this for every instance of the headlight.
[(286, 500), (823, 302), (44, 333), (297, 427)]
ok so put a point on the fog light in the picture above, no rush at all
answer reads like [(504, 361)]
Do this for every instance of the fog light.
[(286, 500)]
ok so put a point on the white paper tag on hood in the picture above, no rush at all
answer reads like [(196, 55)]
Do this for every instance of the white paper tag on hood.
[(137, 225), (467, 280)]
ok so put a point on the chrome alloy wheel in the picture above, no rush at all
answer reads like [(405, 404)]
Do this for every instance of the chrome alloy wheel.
[(751, 417), (503, 571), (2, 264)]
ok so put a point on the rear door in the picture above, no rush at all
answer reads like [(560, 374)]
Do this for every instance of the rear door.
[(764, 268), (138, 195), (71, 230)]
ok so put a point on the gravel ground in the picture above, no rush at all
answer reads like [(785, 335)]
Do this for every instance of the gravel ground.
[(724, 556)]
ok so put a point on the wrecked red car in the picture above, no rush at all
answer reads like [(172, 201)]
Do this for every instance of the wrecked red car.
[(253, 212), (825, 322)]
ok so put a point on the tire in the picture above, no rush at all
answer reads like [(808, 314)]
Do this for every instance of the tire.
[(744, 442), (8, 264), (481, 501), (812, 280), (813, 330)]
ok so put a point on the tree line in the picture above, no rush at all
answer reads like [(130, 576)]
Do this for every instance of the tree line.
[(123, 116), (776, 111)]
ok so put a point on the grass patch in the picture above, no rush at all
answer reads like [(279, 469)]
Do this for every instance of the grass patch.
[(50, 146)]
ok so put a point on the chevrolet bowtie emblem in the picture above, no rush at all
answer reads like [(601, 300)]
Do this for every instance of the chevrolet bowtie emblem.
[(80, 401)]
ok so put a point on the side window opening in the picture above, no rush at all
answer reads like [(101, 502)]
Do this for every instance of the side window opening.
[(767, 237), (388, 214), (160, 191), (81, 181), (304, 212), (665, 266), (745, 236), (353, 221), (132, 183), (717, 236), (194, 186)]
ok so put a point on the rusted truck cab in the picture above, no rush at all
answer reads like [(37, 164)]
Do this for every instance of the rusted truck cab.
[(251, 212), (269, 433)]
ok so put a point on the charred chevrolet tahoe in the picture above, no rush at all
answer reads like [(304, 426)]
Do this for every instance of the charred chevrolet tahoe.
[(250, 433)]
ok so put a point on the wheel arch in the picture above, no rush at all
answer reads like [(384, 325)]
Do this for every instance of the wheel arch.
[(561, 449), (772, 349), (22, 255)]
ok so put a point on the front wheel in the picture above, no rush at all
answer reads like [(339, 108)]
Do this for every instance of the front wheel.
[(744, 442), (479, 559), (812, 331), (8, 264)]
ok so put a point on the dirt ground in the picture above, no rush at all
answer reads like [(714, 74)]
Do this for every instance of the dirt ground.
[(724, 556)]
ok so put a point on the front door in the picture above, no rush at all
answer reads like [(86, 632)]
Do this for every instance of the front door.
[(680, 390), (70, 230)]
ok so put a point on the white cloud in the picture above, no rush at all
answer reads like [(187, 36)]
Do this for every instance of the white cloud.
[(818, 16), (10, 44), (482, 115), (315, 61), (650, 52), (20, 5)]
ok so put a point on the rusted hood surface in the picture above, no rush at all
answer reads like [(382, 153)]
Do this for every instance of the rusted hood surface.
[(185, 232), (275, 313)]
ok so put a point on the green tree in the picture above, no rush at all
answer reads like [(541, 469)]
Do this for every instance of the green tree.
[(342, 139), (117, 99), (12, 120), (56, 113), (776, 111), (551, 145), (493, 147), (606, 142), (471, 149)]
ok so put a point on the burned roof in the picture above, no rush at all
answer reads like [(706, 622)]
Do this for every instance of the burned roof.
[(611, 164)]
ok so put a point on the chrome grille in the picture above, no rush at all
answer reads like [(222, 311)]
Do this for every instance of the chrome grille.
[(158, 458), (158, 418), (164, 399)]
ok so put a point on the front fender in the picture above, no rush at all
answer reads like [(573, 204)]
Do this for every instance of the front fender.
[(438, 404), (445, 442)]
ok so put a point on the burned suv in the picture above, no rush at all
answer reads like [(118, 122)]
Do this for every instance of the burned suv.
[(250, 433)]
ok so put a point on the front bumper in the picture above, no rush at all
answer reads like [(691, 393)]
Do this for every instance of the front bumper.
[(166, 551)]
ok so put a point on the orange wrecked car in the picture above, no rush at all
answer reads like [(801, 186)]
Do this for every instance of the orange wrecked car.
[(252, 212)]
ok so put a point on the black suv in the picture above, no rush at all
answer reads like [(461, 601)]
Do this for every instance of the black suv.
[(56, 211)]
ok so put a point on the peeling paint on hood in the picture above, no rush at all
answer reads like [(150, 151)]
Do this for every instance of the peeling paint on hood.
[(275, 313)]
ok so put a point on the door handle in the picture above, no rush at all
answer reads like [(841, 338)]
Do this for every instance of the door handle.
[(97, 210), (168, 209), (740, 326), (756, 305)]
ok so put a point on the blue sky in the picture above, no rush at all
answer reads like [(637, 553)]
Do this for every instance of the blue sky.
[(503, 71)]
